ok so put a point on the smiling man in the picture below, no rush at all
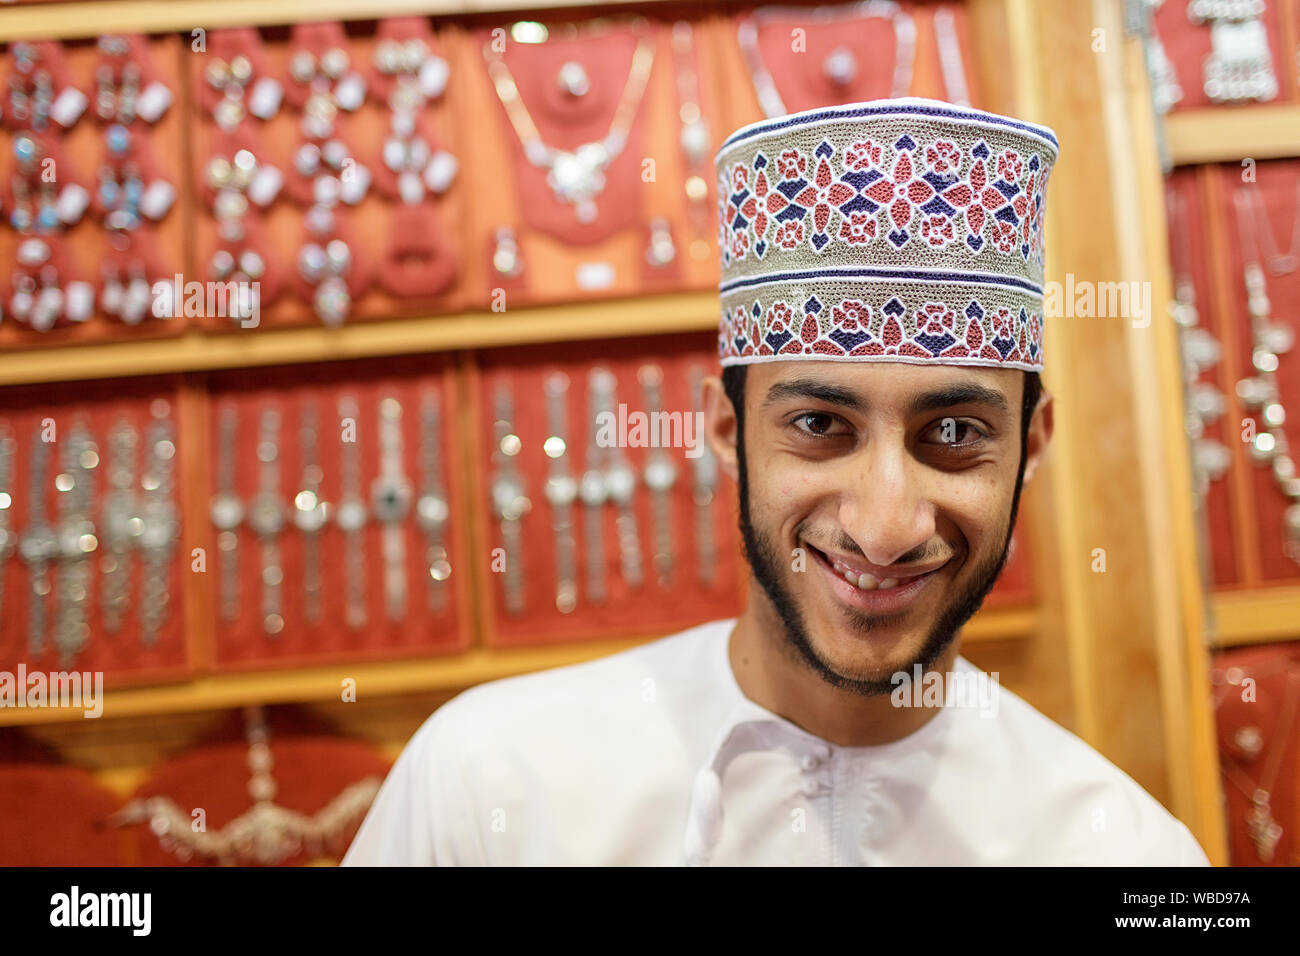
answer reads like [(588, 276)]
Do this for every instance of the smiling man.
[(880, 409)]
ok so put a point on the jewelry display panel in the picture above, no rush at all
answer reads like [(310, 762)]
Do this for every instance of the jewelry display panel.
[(336, 519), (1235, 245), (94, 568), (592, 534), (1256, 700), (91, 190), (599, 142), (1222, 52), (845, 53)]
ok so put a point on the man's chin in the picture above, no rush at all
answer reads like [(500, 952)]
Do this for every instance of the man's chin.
[(862, 648)]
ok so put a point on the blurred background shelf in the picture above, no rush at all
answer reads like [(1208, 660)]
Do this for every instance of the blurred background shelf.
[(197, 350), (448, 673), (1218, 135)]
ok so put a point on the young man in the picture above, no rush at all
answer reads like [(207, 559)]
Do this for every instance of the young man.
[(880, 408)]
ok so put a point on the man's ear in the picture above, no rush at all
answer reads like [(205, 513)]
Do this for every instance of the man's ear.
[(1040, 433), (720, 424)]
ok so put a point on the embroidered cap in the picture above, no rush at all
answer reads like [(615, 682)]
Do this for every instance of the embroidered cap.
[(904, 230)]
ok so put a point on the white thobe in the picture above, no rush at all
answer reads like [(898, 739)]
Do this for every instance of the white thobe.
[(656, 757)]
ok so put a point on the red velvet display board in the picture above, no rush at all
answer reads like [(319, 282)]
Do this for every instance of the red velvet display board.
[(626, 612), (1245, 507), (1255, 692), (32, 411), (1187, 44), (311, 766), (78, 153), (385, 236), (794, 47), (563, 258), (243, 643)]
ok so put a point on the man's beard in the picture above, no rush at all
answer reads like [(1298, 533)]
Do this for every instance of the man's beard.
[(765, 563)]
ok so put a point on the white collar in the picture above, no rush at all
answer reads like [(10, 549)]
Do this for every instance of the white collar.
[(750, 727)]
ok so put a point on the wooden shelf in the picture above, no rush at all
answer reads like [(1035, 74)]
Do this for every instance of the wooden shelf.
[(50, 21), (430, 674), (1227, 134), (1255, 617), (196, 350)]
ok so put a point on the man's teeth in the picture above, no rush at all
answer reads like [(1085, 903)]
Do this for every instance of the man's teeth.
[(866, 582)]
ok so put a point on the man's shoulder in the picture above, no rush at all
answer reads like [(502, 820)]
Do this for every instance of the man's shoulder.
[(1107, 816)]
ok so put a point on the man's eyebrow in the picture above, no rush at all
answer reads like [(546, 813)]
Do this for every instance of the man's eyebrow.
[(967, 393), (818, 391)]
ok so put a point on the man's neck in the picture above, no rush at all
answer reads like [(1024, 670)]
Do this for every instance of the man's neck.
[(774, 675)]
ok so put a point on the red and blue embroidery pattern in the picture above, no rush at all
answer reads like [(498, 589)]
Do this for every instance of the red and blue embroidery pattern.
[(852, 327), (907, 195)]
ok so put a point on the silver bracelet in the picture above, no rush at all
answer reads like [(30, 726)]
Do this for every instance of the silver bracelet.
[(38, 546), (310, 512), (266, 515), (620, 480), (227, 512), (77, 541), (161, 521), (8, 537), (390, 502), (119, 522), (432, 508), (660, 475), (351, 517), (561, 491), (705, 468), (594, 492), (508, 497)]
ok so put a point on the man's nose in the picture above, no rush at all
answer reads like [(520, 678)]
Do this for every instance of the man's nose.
[(885, 507)]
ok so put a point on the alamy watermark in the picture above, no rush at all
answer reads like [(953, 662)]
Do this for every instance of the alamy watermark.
[(73, 690), (624, 429), (1084, 299), (973, 690), (235, 299)]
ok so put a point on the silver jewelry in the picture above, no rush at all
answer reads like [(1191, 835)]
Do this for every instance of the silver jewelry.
[(432, 509), (121, 525), (325, 260), (161, 521), (420, 76), (1240, 65), (575, 176), (705, 468), (266, 515), (77, 541), (390, 502), (594, 492), (620, 480), (38, 546), (1260, 392), (8, 536), (506, 260), (310, 512), (351, 517), (769, 98), (561, 491), (509, 498), (227, 513), (660, 474), (661, 250)]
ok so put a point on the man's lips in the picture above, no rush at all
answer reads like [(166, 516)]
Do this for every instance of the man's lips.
[(868, 587)]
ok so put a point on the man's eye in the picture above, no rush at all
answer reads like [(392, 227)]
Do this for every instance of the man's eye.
[(955, 433), (817, 424)]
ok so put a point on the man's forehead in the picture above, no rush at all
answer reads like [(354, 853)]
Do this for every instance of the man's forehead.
[(876, 383)]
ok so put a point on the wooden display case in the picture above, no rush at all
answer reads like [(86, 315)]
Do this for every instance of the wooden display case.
[(1119, 657)]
